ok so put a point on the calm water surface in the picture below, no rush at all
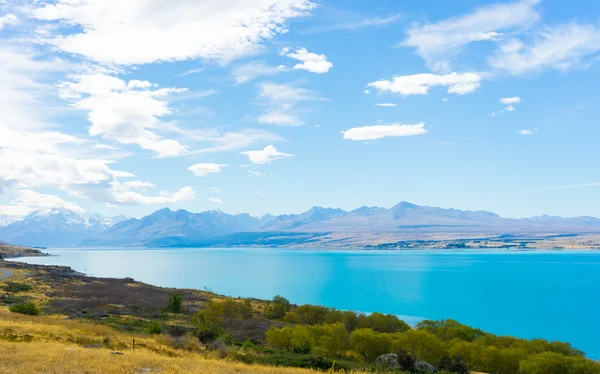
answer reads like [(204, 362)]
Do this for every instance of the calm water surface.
[(552, 295)]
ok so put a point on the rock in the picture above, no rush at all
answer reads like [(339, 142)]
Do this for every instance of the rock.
[(425, 366), (117, 353), (389, 360)]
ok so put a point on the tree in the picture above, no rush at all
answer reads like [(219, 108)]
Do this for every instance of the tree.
[(209, 324), (370, 344), (331, 340), (545, 363), (350, 320), (425, 346), (174, 305), (277, 308), (307, 315), (302, 340), (280, 338)]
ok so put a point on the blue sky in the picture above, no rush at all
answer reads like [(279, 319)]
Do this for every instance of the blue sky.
[(274, 106)]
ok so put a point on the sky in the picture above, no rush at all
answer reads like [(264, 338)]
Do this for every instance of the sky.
[(275, 106)]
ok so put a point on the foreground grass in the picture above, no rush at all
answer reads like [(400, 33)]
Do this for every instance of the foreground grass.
[(47, 345)]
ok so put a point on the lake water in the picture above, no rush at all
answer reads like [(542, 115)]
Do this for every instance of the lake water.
[(552, 295)]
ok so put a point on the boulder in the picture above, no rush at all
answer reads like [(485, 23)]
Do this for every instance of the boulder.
[(425, 366), (389, 360)]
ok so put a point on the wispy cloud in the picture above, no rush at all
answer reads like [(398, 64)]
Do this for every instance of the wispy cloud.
[(559, 47), (569, 186), (437, 43), (354, 24), (246, 72), (281, 101), (191, 71)]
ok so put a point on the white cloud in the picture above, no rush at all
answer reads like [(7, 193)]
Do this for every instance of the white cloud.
[(437, 42), (380, 131), (311, 62), (8, 20), (112, 33), (48, 159), (419, 84), (560, 48), (367, 92), (281, 101), (202, 170), (388, 105), (29, 200), (445, 100), (510, 108), (266, 156), (528, 132), (510, 100), (26, 82), (215, 200), (252, 70), (126, 112), (123, 195), (140, 185)]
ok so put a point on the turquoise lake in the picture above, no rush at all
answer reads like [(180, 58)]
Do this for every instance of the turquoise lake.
[(552, 295)]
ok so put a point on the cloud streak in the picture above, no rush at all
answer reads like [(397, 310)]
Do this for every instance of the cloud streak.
[(381, 131)]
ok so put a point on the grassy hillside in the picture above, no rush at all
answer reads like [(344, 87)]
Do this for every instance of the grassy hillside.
[(48, 345), (77, 322)]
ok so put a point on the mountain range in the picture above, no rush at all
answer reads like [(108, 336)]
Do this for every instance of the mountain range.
[(56, 227), (60, 227)]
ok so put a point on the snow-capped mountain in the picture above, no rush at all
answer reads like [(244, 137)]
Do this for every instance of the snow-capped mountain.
[(55, 227), (6, 220)]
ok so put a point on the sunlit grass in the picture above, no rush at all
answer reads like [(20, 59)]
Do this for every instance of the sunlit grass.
[(48, 345)]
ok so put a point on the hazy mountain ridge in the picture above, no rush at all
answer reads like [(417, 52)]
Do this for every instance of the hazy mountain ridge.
[(165, 227), (55, 227), (182, 228), (178, 226)]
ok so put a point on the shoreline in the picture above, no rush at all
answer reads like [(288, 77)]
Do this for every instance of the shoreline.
[(412, 320)]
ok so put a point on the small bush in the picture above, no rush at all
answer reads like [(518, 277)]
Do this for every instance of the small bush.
[(26, 308), (174, 305), (177, 331), (17, 287), (155, 328), (12, 299), (206, 336), (454, 364), (248, 345)]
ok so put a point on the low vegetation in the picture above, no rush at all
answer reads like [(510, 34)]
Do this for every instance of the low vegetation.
[(83, 320)]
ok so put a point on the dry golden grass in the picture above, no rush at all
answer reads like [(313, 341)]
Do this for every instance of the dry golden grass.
[(58, 358), (48, 345)]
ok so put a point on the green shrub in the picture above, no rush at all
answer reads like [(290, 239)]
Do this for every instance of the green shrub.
[(277, 308), (174, 305), (155, 328), (25, 308), (17, 287)]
